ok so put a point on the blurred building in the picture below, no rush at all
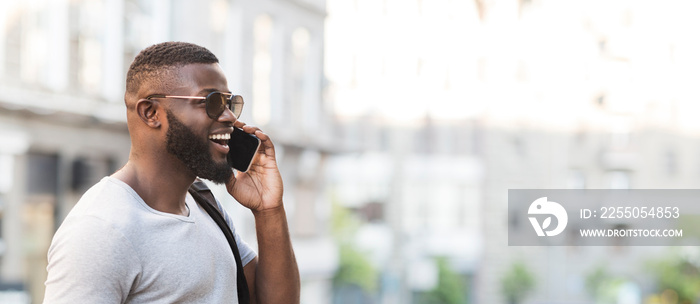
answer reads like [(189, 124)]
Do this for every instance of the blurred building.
[(418, 191), (402, 83), (595, 97), (63, 126), (455, 102)]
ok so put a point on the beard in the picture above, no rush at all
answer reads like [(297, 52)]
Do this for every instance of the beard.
[(194, 152)]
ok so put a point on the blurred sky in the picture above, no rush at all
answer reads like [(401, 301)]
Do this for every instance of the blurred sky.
[(545, 61)]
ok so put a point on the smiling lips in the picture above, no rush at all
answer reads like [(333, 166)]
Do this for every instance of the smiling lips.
[(221, 140)]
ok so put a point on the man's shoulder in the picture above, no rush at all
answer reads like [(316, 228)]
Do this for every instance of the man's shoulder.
[(88, 250), (110, 202), (108, 211), (107, 194)]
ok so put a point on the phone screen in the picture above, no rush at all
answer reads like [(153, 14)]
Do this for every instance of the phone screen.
[(242, 149)]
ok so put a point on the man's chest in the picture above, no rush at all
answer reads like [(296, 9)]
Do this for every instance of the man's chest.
[(187, 262)]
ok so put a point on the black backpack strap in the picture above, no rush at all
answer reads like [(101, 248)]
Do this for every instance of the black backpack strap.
[(201, 193)]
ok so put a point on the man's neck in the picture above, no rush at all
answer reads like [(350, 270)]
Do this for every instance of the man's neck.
[(162, 185)]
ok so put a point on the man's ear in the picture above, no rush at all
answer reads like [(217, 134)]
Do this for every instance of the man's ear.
[(148, 110)]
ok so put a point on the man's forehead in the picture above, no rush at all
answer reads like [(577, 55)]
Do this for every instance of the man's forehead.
[(189, 75), (197, 68), (202, 75)]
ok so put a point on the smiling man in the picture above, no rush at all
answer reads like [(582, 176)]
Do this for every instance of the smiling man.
[(138, 236)]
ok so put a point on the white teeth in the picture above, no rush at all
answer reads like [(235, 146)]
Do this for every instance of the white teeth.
[(220, 136)]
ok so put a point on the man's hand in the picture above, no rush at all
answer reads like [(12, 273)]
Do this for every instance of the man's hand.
[(274, 275), (260, 188)]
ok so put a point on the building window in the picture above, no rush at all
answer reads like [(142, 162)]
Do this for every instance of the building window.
[(621, 133), (34, 45), (87, 171), (618, 179), (12, 37), (42, 44), (42, 174), (7, 170), (262, 69), (86, 24), (670, 163), (576, 179), (305, 109), (135, 38)]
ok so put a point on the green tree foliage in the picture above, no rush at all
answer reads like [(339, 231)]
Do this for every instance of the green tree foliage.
[(678, 274), (355, 269), (344, 224), (517, 283), (602, 286), (354, 266), (450, 287)]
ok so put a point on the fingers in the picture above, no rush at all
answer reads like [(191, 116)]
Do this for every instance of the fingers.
[(248, 129), (266, 146), (238, 124), (266, 143)]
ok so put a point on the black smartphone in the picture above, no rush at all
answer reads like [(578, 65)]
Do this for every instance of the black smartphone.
[(242, 148)]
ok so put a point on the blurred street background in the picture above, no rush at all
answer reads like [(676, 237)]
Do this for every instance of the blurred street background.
[(400, 126)]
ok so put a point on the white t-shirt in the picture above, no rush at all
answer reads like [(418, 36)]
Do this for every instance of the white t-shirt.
[(113, 248)]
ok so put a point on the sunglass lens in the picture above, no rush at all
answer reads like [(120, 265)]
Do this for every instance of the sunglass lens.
[(236, 105), (216, 104)]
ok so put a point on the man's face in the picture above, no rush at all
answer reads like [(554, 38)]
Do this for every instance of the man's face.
[(190, 129), (193, 151)]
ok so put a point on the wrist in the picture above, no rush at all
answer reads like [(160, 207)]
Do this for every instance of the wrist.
[(270, 212)]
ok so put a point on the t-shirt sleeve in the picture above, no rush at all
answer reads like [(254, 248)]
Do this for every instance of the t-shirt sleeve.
[(247, 253), (90, 262)]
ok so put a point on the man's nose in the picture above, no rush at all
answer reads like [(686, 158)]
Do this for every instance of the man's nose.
[(227, 116)]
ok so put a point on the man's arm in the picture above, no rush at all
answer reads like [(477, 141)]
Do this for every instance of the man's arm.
[(273, 277)]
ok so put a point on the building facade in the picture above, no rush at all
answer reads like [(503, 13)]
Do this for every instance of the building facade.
[(62, 71), (455, 102)]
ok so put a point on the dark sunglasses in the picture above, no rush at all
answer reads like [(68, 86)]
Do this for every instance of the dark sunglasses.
[(216, 102)]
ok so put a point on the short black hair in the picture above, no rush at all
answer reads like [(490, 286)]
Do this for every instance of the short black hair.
[(153, 61)]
